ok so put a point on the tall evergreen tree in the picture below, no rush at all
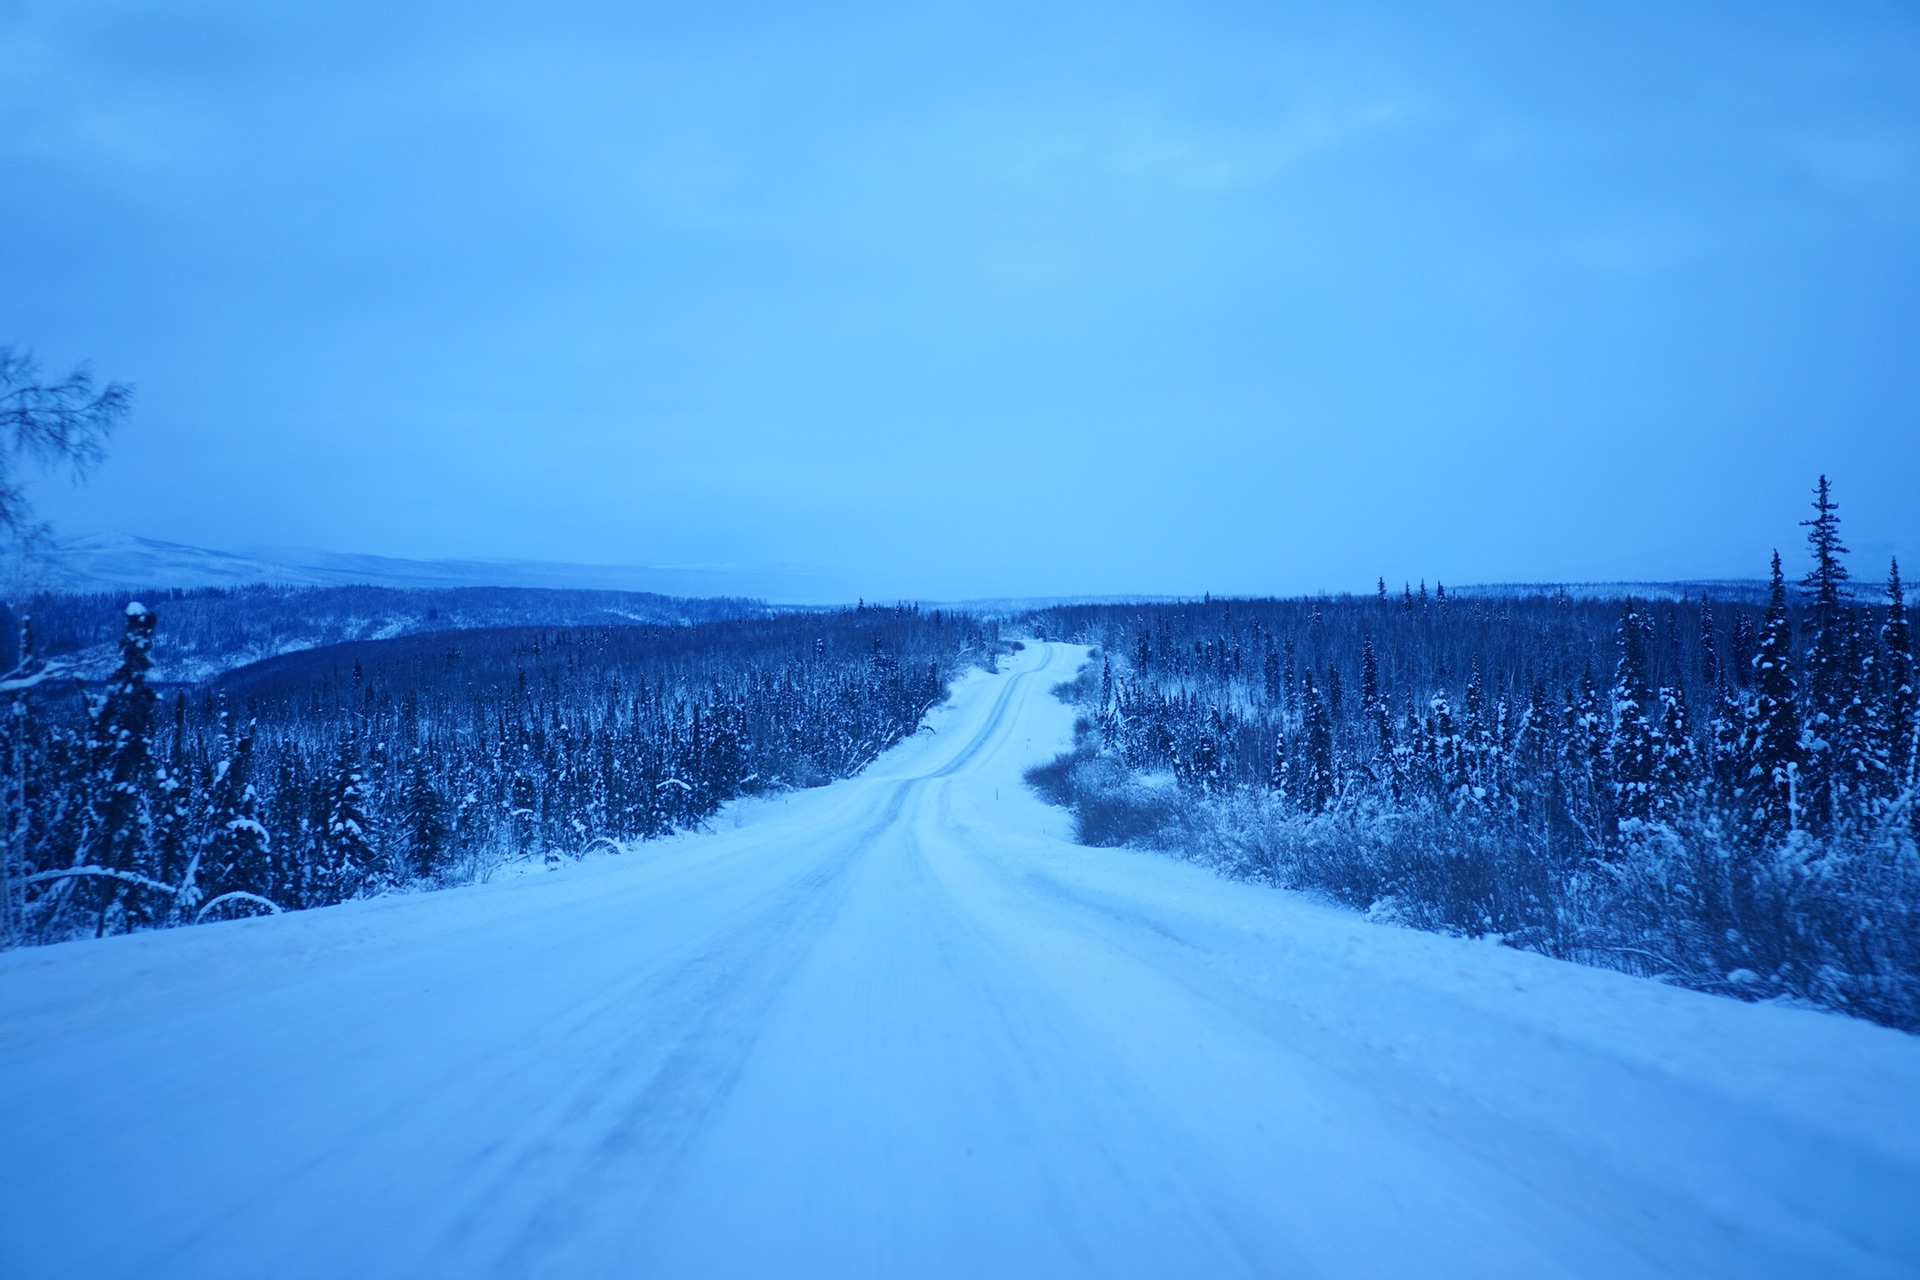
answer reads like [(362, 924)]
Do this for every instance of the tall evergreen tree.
[(118, 835), (1771, 741), (1317, 785), (424, 820), (238, 857), (1895, 716), (1709, 650), (1445, 749), (1631, 749), (352, 862), (1675, 754), (1745, 646), (1830, 728), (1585, 742), (1373, 700)]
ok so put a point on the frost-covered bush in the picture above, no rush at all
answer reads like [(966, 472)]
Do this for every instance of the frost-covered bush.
[(1832, 922)]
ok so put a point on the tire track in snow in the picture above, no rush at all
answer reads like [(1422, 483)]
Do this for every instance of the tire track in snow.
[(717, 1001)]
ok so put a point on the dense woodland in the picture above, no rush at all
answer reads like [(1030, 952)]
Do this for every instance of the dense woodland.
[(210, 629), (356, 769), (1718, 793)]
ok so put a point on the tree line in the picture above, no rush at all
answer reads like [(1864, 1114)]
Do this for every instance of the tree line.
[(209, 629), (357, 769), (1722, 794)]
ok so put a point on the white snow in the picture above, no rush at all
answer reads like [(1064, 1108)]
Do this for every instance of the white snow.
[(901, 1026)]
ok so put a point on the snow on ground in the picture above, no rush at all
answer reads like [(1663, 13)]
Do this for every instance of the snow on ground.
[(901, 1026)]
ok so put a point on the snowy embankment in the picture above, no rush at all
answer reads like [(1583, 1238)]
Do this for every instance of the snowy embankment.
[(901, 1026)]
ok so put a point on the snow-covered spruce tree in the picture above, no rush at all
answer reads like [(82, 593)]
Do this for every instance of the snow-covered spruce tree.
[(1584, 763), (1709, 648), (1746, 645), (174, 789), (352, 863), (115, 846), (1829, 729), (1771, 740), (235, 866), (26, 764), (1370, 700), (1676, 756), (1726, 762), (1894, 717), (1316, 784), (297, 822), (1476, 746), (1632, 753), (425, 829), (1446, 746)]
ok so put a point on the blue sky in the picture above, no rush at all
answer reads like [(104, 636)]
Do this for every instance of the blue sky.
[(984, 299)]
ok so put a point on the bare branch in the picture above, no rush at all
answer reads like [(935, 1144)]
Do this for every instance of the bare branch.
[(65, 423)]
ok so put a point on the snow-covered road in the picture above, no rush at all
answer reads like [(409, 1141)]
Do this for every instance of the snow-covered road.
[(901, 1026)]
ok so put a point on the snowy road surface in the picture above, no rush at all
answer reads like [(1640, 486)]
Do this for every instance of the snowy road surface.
[(900, 1026)]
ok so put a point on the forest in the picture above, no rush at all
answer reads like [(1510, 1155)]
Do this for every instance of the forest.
[(1717, 793), (431, 759), (210, 629)]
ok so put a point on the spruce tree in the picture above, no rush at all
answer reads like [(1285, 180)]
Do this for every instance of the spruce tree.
[(1317, 786), (424, 818), (119, 823), (1631, 751), (1585, 744), (1826, 581), (1675, 754), (1369, 676), (1373, 702), (1726, 763), (1771, 740), (1476, 738), (1709, 651), (26, 756), (238, 854), (1444, 746), (1533, 735), (352, 864), (1830, 728), (1894, 718), (1745, 646)]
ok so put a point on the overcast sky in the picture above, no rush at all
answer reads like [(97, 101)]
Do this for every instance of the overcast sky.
[(983, 299)]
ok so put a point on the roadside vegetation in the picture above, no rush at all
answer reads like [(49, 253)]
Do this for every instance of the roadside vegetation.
[(1719, 793), (432, 759)]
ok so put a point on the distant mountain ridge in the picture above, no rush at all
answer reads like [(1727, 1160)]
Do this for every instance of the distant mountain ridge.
[(121, 561)]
